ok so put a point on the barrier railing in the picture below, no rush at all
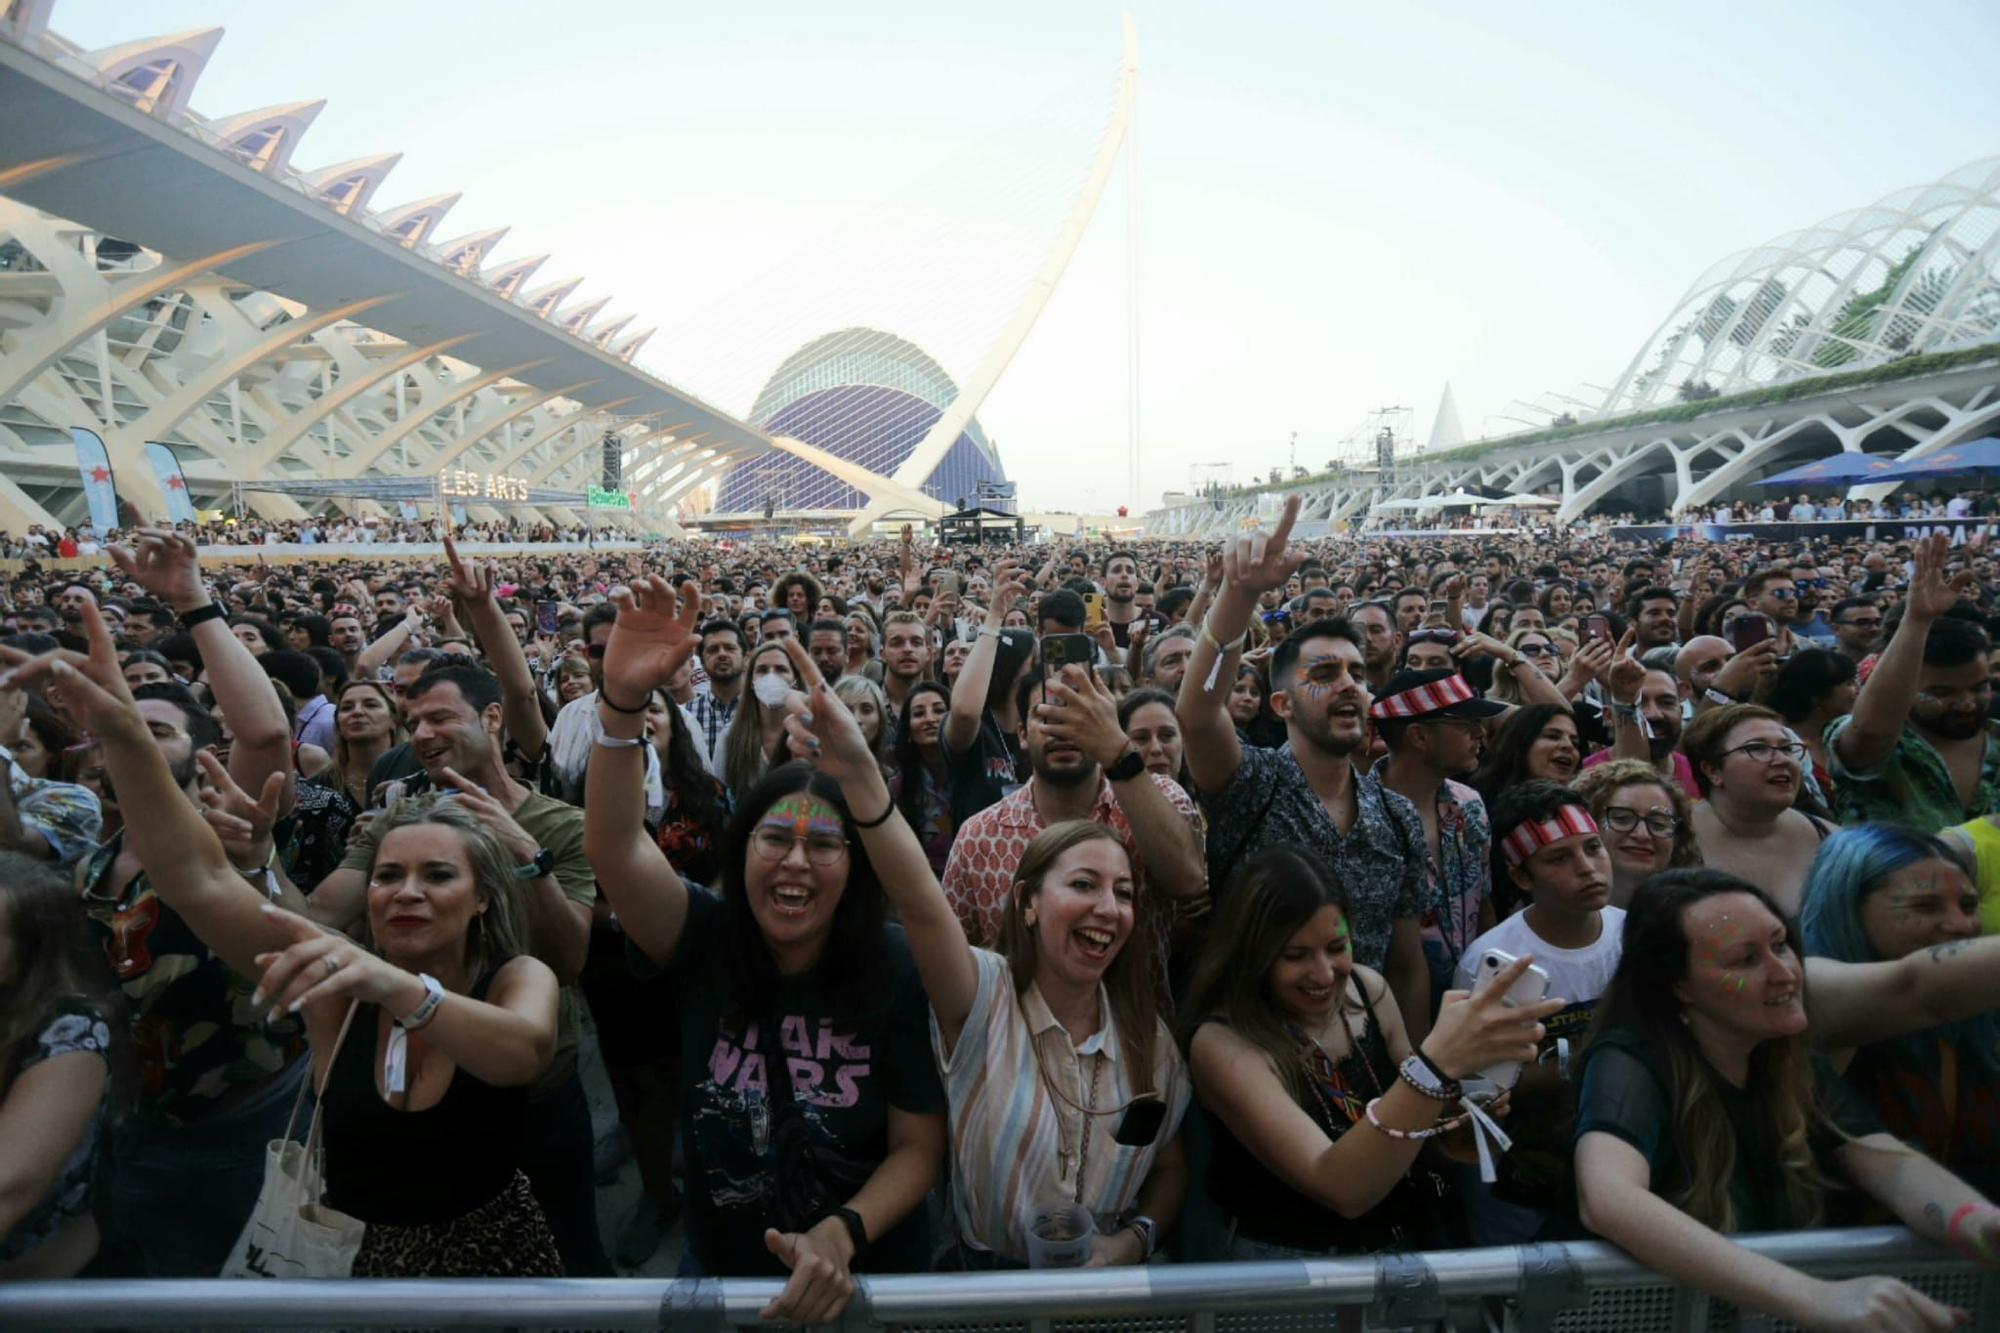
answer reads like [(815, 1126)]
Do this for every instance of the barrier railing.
[(1580, 1286)]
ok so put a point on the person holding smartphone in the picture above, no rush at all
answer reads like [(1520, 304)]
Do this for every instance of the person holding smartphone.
[(1321, 1103), (1063, 1082)]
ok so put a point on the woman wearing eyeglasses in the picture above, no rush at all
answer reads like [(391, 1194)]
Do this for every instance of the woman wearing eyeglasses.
[(1644, 818), (1750, 769), (809, 1106), (1065, 1085)]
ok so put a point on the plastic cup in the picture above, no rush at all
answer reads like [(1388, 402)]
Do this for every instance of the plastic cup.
[(1059, 1236)]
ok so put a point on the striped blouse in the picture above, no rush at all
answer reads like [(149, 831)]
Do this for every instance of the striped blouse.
[(1015, 1146)]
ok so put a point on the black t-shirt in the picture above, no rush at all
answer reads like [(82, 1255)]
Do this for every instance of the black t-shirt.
[(844, 1075), (1624, 1093), (984, 772)]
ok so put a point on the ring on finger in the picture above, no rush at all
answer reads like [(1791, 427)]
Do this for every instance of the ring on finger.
[(332, 965)]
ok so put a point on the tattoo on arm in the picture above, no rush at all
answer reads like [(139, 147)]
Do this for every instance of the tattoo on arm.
[(1941, 953)]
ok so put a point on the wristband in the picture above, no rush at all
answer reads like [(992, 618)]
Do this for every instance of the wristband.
[(618, 742), (1630, 712), (605, 699), (1441, 1127), (210, 611), (423, 1013), (1423, 1077), (1130, 765), (1964, 1211), (876, 822)]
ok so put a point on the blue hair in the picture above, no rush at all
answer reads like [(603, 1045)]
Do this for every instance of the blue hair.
[(1852, 864)]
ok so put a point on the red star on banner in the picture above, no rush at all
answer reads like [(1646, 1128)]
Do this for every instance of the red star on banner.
[(176, 484), (99, 474)]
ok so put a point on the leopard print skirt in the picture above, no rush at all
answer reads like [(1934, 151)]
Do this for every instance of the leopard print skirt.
[(507, 1237)]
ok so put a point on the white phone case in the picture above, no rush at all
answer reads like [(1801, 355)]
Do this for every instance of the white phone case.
[(1529, 988)]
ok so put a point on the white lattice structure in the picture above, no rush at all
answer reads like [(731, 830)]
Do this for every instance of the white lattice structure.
[(1917, 271), (1877, 331)]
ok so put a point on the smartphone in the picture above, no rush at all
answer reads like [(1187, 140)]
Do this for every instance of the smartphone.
[(950, 581), (546, 617), (1436, 614), (1528, 988), (1061, 650), (1139, 1127), (1596, 628), (1093, 609), (1749, 629)]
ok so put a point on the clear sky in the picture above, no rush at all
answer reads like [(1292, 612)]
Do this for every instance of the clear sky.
[(1343, 206)]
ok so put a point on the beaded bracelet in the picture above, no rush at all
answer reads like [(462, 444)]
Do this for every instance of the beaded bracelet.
[(1442, 1089), (1441, 1127)]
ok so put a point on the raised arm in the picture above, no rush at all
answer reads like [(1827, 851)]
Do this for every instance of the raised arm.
[(1884, 702), (1251, 566), (1081, 712), (823, 732), (1624, 681), (654, 634), (975, 678), (471, 590), (164, 563), (1854, 1004), (185, 864), (384, 649)]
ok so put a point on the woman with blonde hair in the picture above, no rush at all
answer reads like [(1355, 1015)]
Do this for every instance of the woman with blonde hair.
[(1644, 818), (367, 724), (423, 1047), (864, 699), (1538, 646)]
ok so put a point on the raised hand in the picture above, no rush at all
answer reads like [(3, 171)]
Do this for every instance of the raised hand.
[(1626, 674), (243, 825), (1010, 584), (499, 821), (1474, 644), (163, 562), (1258, 563), (1929, 597), (1474, 1031), (1081, 712), (90, 686), (820, 729), (471, 581), (658, 628)]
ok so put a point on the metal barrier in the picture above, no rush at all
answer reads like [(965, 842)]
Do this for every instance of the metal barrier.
[(1581, 1286)]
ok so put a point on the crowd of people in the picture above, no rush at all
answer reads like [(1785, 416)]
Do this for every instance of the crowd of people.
[(1271, 899), (39, 542)]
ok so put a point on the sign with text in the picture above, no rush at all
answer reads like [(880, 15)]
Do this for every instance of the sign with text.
[(600, 498), (461, 484)]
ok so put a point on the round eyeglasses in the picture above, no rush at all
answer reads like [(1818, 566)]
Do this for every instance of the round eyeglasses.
[(1623, 819), (822, 849)]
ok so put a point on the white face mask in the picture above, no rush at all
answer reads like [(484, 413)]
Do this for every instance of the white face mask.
[(771, 690)]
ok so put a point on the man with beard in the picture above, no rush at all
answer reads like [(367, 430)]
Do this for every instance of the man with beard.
[(826, 642), (1919, 748), (1306, 791), (347, 636), (1084, 767), (1435, 727), (1121, 595), (1653, 619), (906, 651), (1381, 642), (1646, 722), (1857, 626), (69, 605), (215, 1080), (722, 654)]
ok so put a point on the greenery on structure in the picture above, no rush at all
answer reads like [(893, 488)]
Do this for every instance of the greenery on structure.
[(1901, 368)]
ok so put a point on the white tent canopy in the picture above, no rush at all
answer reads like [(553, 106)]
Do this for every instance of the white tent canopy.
[(1530, 501), (1455, 498), (1383, 506)]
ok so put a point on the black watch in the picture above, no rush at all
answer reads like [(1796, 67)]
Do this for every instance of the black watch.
[(543, 864), (1127, 768)]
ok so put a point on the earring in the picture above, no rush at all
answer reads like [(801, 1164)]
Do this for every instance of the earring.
[(1028, 918)]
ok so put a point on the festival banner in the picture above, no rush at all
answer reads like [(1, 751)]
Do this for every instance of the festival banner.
[(173, 485), (100, 492)]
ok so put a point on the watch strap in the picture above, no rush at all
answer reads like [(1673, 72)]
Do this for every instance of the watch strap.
[(195, 617), (543, 864), (857, 1230)]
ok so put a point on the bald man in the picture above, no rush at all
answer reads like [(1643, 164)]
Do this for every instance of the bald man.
[(1697, 663)]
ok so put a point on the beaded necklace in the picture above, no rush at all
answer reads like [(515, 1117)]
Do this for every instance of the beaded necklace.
[(1327, 1083)]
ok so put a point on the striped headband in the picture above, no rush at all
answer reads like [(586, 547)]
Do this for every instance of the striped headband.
[(1530, 836), (1422, 699)]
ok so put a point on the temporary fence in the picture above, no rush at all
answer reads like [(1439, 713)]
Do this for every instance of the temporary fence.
[(1580, 1286)]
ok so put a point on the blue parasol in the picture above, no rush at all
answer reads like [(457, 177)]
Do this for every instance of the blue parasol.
[(1974, 458), (1846, 468)]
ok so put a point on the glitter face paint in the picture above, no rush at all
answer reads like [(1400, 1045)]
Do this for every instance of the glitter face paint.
[(805, 817)]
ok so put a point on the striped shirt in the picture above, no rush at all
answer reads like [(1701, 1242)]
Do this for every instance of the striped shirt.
[(1015, 1146)]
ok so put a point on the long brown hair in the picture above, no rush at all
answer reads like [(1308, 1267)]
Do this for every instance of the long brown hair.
[(398, 733), (44, 919), (1274, 894), (1652, 961), (1129, 978)]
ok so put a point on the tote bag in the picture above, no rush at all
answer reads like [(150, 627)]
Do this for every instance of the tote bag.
[(290, 1232)]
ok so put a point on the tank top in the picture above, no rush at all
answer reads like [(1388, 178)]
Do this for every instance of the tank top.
[(1268, 1209), (1985, 840), (410, 1168)]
